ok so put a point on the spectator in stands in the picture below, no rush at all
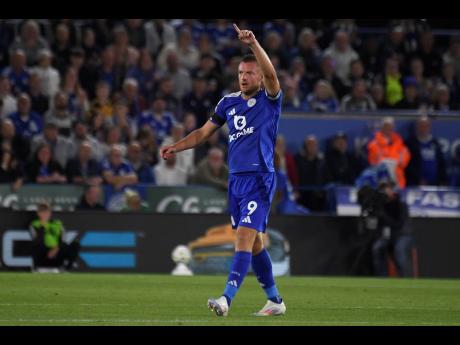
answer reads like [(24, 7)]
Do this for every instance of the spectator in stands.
[(341, 166), (144, 74), (449, 78), (396, 45), (328, 73), (83, 169), (8, 101), (169, 173), (143, 170), (424, 85), (308, 50), (179, 75), (26, 122), (49, 76), (187, 52), (358, 100), (394, 235), (122, 120), (61, 147), (116, 171), (286, 161), (411, 98), (185, 158), (284, 28), (392, 81), (102, 104), (215, 140), (134, 202), (427, 53), (17, 72), (273, 43), (77, 98), (199, 101), (357, 72), (427, 165), (39, 102), (135, 101), (371, 56), (136, 32), (79, 135), (310, 166), (43, 168), (158, 33), (30, 41), (323, 98), (299, 74), (292, 100), (90, 199), (452, 55), (121, 46), (60, 115), (61, 47), (378, 96), (49, 244), (284, 200), (108, 71), (11, 170), (210, 71), (19, 145), (454, 171), (89, 45), (190, 123), (388, 147), (212, 170), (113, 137), (441, 98), (166, 92), (342, 53), (149, 143), (158, 119)]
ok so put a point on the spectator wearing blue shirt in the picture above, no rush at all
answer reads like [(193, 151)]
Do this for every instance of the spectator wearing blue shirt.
[(158, 119), (144, 73), (26, 122), (143, 170), (117, 172), (17, 72), (292, 100), (133, 99), (223, 37), (427, 165), (323, 98)]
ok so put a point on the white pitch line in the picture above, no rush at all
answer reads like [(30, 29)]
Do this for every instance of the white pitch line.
[(226, 321)]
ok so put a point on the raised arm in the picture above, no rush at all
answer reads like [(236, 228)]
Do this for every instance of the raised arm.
[(271, 82), (195, 138)]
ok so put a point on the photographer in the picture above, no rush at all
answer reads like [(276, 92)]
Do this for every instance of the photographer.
[(393, 235)]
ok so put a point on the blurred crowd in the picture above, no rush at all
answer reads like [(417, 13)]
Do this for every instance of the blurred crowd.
[(91, 101)]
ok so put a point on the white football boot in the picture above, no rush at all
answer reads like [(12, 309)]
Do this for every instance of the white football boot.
[(272, 309), (219, 306)]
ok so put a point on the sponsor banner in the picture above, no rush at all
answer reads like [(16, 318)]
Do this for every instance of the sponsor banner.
[(192, 199), (62, 197), (422, 202)]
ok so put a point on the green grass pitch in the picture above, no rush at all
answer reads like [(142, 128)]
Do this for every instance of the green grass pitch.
[(147, 299)]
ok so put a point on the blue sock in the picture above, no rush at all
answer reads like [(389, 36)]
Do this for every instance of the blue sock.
[(240, 267), (262, 267)]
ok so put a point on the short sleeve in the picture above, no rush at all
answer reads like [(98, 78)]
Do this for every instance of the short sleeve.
[(219, 117), (278, 98)]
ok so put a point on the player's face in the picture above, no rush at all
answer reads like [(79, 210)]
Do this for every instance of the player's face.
[(249, 77)]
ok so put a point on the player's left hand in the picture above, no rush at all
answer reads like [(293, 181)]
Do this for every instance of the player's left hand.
[(246, 36)]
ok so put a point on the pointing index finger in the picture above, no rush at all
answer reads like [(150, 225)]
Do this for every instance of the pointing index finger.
[(236, 28)]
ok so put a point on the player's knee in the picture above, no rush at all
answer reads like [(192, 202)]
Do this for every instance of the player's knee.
[(258, 246), (245, 239)]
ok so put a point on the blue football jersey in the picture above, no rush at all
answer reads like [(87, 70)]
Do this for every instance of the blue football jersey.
[(253, 126)]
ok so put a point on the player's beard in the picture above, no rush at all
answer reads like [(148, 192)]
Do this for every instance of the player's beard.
[(250, 92)]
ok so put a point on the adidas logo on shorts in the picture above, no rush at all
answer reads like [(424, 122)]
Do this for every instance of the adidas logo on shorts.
[(246, 220)]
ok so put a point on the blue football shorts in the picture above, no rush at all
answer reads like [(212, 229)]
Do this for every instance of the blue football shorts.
[(250, 196)]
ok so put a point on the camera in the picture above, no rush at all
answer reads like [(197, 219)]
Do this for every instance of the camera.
[(372, 201)]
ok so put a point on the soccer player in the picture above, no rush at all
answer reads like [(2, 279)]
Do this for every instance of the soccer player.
[(252, 115)]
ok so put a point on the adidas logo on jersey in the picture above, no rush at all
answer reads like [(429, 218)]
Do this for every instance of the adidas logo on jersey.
[(246, 220), (232, 112)]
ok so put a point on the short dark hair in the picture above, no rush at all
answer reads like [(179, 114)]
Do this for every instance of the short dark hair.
[(249, 58)]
